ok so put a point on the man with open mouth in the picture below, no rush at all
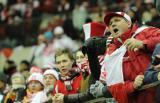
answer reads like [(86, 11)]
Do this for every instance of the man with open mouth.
[(127, 57)]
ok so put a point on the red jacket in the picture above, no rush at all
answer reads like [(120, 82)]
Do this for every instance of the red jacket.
[(60, 86), (134, 63)]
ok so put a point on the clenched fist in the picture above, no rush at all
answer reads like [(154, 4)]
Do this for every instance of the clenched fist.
[(58, 98), (138, 81)]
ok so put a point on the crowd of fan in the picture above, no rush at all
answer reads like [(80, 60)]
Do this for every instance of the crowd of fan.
[(64, 74), (22, 20)]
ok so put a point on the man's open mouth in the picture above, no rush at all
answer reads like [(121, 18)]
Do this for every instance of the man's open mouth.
[(115, 30)]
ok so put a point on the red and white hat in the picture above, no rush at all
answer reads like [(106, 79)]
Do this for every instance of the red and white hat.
[(94, 29), (35, 69), (37, 77), (52, 72), (109, 15)]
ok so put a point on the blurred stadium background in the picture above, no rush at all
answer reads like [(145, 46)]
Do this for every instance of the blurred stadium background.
[(22, 21)]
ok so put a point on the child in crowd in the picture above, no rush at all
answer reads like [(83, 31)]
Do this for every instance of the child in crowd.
[(35, 89), (50, 76)]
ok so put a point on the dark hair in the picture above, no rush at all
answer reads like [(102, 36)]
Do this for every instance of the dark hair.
[(26, 63), (3, 77)]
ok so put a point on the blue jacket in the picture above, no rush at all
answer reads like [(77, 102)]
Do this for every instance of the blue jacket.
[(151, 74)]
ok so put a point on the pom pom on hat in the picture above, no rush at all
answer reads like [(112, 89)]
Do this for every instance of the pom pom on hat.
[(94, 29), (36, 77), (52, 72)]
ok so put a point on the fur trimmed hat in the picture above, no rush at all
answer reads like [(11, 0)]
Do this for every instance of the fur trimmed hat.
[(52, 72), (37, 77)]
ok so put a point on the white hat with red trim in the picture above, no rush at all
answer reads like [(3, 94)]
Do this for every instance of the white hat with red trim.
[(94, 29), (36, 77), (109, 15), (52, 72)]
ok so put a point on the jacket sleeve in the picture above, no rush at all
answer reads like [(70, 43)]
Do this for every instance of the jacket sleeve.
[(152, 38), (120, 91), (151, 74)]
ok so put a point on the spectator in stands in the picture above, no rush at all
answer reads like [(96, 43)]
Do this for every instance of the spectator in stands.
[(50, 76), (69, 82), (17, 90), (62, 41), (35, 89), (3, 87), (9, 68), (79, 14), (134, 46), (153, 72), (155, 18), (43, 52), (23, 68), (82, 62), (63, 6)]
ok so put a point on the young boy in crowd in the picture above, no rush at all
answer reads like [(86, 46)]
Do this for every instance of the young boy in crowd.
[(70, 79)]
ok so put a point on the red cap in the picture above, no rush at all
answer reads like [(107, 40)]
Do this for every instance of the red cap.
[(109, 15), (94, 29)]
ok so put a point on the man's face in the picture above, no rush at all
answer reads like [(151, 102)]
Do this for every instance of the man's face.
[(118, 25), (64, 63)]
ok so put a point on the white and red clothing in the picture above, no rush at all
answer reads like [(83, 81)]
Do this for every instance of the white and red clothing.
[(60, 87), (134, 63)]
